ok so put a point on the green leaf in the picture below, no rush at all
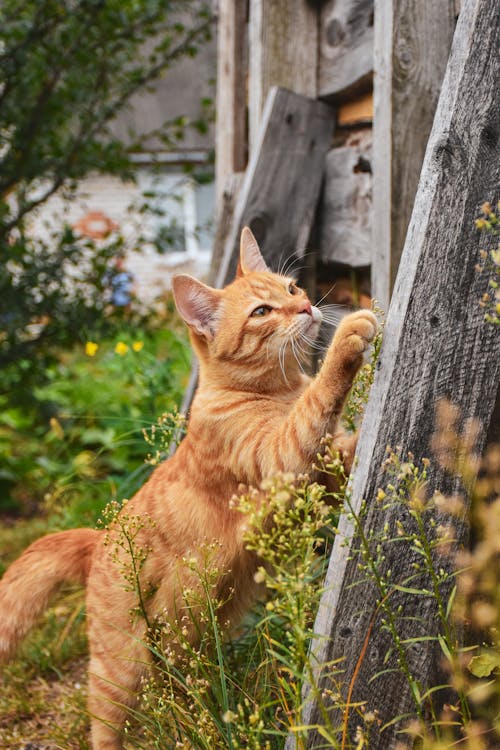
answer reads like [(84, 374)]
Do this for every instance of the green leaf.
[(484, 664)]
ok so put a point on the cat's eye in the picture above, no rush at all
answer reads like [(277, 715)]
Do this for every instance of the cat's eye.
[(260, 311), (293, 289)]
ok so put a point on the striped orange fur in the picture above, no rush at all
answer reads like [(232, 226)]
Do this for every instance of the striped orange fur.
[(255, 414)]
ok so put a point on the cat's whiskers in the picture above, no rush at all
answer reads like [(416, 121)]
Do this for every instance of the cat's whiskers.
[(287, 266), (311, 343), (331, 309), (295, 343), (332, 315), (304, 350), (281, 359), (318, 303)]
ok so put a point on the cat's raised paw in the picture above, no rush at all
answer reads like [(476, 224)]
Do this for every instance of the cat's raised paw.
[(357, 331)]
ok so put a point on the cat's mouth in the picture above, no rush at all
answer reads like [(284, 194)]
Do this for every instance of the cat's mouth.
[(316, 314), (314, 322)]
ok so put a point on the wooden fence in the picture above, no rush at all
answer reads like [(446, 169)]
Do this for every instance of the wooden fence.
[(436, 345)]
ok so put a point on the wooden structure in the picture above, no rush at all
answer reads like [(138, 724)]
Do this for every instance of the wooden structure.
[(293, 141), (335, 50), (436, 343), (412, 42)]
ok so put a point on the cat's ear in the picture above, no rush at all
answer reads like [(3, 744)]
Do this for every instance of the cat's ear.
[(197, 303), (250, 256)]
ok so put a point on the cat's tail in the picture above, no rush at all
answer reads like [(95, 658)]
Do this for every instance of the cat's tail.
[(30, 581)]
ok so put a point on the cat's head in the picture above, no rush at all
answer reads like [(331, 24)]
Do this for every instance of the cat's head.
[(258, 326)]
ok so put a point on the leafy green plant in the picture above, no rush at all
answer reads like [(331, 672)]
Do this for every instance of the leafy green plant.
[(62, 84), (246, 692), (81, 445)]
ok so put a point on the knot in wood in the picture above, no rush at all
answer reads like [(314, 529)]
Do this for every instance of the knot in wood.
[(405, 59), (449, 151), (489, 137), (335, 32)]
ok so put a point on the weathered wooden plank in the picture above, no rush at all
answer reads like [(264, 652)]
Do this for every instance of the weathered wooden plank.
[(280, 190), (436, 344), (224, 222), (345, 233), (283, 51), (346, 47), (412, 43), (230, 131)]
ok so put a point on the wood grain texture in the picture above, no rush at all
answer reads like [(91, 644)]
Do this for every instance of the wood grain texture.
[(436, 345), (345, 234), (280, 190), (224, 222), (412, 43), (230, 132), (345, 48), (283, 51)]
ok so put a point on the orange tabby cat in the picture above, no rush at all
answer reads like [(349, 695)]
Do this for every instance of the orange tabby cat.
[(254, 414)]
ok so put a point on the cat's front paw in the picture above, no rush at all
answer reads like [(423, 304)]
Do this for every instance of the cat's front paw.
[(355, 332)]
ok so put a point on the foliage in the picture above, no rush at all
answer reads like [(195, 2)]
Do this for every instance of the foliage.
[(80, 445), (66, 71), (490, 263), (250, 692), (241, 693), (360, 390), (47, 679)]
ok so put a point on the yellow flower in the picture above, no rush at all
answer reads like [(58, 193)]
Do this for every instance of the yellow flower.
[(90, 348), (137, 346), (56, 428), (121, 348)]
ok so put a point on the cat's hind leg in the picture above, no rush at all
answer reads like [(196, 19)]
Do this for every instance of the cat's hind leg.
[(115, 676)]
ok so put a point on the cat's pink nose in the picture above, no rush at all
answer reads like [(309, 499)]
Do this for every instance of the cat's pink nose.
[(305, 307)]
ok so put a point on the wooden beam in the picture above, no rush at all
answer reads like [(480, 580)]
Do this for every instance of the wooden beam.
[(280, 190), (283, 51), (436, 344), (224, 222), (345, 225), (358, 111), (230, 132), (346, 48), (412, 43)]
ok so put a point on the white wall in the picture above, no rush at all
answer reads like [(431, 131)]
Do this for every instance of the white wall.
[(180, 200)]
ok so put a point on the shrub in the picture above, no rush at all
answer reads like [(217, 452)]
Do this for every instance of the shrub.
[(81, 444)]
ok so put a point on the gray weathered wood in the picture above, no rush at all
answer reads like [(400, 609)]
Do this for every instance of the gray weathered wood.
[(412, 43), (280, 190), (346, 47), (345, 234), (283, 51), (230, 131), (436, 344), (224, 222)]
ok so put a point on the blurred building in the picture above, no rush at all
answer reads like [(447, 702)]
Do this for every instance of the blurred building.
[(179, 224)]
